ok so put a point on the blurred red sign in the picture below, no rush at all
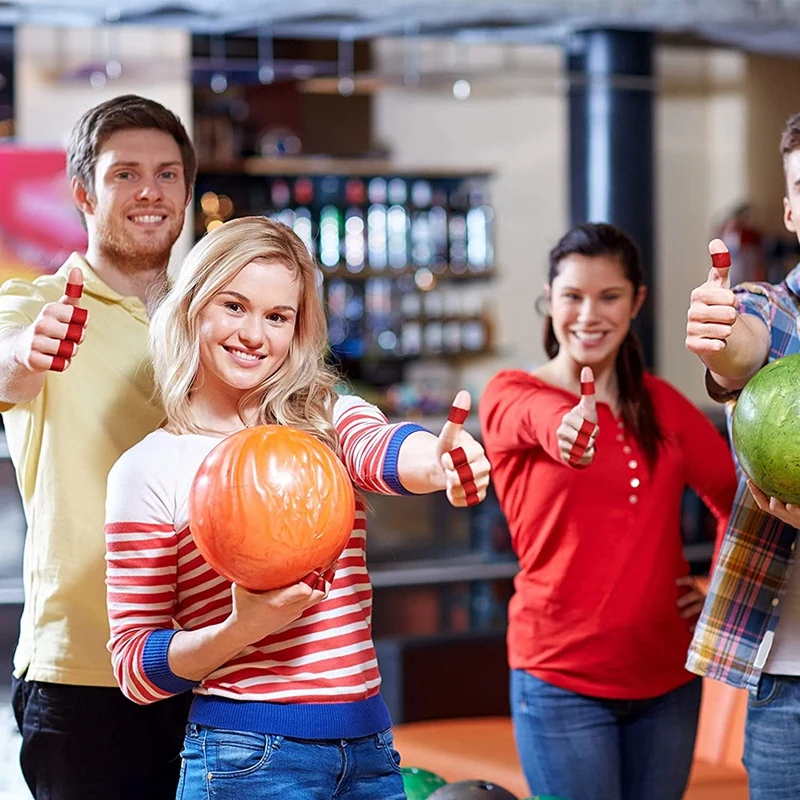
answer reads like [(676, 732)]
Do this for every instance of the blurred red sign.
[(39, 223)]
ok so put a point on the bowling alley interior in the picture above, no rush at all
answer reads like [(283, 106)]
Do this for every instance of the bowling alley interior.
[(432, 158)]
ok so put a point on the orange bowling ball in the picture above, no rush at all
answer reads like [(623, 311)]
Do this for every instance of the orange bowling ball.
[(269, 505)]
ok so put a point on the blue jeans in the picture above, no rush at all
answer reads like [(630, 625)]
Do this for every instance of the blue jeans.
[(772, 739), (231, 765), (586, 748)]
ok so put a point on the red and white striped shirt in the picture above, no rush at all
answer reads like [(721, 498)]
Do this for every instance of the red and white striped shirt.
[(158, 582)]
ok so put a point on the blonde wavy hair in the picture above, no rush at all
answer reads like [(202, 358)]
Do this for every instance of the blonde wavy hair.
[(300, 392)]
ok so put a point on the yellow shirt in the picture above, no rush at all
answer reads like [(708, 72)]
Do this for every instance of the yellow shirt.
[(63, 444)]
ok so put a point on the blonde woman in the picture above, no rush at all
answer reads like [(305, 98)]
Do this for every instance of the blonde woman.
[(287, 702)]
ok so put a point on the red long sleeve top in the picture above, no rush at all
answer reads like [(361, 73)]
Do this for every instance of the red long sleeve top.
[(595, 603)]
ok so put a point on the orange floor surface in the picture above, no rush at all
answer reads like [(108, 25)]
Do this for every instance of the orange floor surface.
[(483, 748)]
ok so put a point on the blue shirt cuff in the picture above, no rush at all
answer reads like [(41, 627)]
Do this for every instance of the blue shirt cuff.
[(156, 665), (390, 476)]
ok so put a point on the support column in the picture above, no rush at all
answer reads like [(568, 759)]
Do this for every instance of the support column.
[(611, 144)]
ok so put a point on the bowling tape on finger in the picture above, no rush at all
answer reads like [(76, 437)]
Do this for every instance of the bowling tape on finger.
[(78, 316), (720, 260), (74, 333), (73, 289), (65, 349), (59, 364), (311, 579), (461, 464), (328, 575), (320, 585), (587, 387), (470, 493), (582, 440), (457, 415)]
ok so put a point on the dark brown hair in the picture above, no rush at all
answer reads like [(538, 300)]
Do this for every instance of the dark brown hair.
[(594, 240), (790, 138), (126, 112)]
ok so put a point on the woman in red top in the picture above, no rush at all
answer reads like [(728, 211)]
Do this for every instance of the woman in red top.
[(604, 606)]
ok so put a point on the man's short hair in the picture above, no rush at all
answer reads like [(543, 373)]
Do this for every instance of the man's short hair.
[(125, 112), (790, 138)]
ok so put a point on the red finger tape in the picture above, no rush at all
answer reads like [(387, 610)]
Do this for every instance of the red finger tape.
[(310, 580), (587, 387), (720, 260), (59, 364), (73, 289), (469, 487), (587, 427), (472, 499), (78, 316), (65, 349), (582, 440), (459, 457), (320, 584), (74, 333), (457, 415), (465, 473), (329, 575)]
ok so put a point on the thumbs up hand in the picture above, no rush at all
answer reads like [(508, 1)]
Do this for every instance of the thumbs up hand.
[(712, 312), (51, 341), (578, 430), (463, 460)]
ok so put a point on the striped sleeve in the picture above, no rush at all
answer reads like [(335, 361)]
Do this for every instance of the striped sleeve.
[(141, 569), (371, 444)]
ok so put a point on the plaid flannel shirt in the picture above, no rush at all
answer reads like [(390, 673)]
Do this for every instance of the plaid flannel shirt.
[(736, 629)]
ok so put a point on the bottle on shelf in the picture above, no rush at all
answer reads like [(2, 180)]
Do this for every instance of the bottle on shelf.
[(437, 226), (346, 317), (397, 224), (355, 233), (330, 224), (378, 317), (479, 233), (303, 220), (280, 197), (420, 224), (457, 230), (377, 230)]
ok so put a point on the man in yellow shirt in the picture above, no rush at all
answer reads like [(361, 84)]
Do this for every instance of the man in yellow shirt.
[(76, 392)]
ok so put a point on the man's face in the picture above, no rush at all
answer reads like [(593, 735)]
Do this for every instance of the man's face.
[(136, 210), (791, 202)]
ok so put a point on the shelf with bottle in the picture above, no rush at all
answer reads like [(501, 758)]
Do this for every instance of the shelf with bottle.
[(383, 318), (382, 224), (399, 256)]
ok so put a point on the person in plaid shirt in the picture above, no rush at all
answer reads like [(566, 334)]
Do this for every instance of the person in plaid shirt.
[(749, 632)]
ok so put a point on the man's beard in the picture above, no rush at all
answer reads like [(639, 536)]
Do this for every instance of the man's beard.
[(132, 255)]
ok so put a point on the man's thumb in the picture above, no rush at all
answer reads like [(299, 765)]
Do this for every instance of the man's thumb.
[(74, 287)]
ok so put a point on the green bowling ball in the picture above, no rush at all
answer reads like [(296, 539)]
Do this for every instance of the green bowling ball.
[(420, 784), (766, 429)]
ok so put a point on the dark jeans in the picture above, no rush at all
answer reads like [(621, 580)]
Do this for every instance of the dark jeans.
[(584, 748), (92, 743)]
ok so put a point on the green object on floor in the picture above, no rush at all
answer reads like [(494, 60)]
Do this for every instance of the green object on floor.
[(420, 784)]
